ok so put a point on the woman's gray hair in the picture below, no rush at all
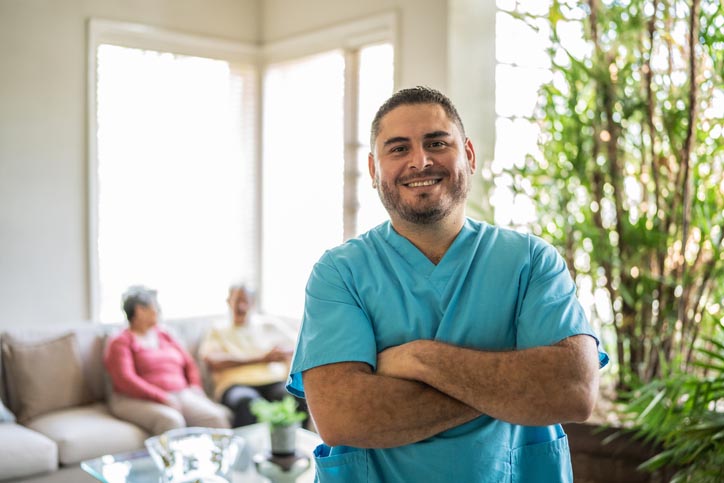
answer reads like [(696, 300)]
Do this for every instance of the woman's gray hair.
[(138, 295)]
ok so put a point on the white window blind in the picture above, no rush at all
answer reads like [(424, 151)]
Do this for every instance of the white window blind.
[(175, 179), (303, 162), (375, 86), (307, 191)]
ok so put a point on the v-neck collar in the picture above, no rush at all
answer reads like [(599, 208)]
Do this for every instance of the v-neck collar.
[(420, 263)]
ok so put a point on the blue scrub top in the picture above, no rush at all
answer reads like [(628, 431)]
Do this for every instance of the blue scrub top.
[(495, 289)]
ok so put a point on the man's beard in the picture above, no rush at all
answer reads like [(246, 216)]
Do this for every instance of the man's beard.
[(425, 214)]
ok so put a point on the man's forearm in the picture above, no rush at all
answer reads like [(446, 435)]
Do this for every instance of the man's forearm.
[(535, 387), (354, 407)]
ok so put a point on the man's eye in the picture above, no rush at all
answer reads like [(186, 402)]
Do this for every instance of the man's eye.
[(437, 144), (398, 149)]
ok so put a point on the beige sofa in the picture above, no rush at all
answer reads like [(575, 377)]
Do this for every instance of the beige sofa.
[(54, 382)]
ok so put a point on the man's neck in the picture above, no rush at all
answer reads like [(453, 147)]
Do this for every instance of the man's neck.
[(432, 240)]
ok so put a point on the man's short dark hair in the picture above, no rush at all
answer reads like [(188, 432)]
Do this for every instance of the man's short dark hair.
[(415, 95)]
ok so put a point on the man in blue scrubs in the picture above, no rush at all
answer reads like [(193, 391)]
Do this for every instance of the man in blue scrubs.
[(435, 348)]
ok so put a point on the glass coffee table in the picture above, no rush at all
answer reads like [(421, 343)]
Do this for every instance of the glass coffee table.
[(138, 467)]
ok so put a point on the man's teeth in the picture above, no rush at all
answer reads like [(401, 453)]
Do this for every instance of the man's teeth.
[(429, 182)]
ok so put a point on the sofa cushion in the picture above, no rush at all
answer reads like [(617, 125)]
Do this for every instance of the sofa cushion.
[(91, 342), (88, 432), (43, 376), (25, 452)]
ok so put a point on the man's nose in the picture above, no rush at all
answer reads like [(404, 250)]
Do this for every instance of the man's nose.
[(419, 159)]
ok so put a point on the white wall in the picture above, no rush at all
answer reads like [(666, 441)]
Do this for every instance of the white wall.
[(471, 79), (471, 72), (43, 178)]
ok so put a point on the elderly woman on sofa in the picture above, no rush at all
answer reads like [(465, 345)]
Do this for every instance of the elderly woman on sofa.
[(156, 383)]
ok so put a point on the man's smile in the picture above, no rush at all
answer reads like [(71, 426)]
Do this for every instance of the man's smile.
[(427, 182), (420, 182)]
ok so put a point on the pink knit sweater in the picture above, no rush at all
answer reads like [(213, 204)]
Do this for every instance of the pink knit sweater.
[(149, 373)]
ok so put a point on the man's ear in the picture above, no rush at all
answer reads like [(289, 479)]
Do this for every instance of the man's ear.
[(372, 168), (470, 155)]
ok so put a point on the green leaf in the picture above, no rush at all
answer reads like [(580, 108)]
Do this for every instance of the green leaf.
[(654, 402), (656, 462), (277, 413)]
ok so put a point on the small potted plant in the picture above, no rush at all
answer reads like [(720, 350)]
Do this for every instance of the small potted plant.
[(283, 418)]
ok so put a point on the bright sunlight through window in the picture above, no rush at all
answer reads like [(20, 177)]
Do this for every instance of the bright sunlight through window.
[(306, 189), (175, 179), (375, 86), (523, 66), (303, 174)]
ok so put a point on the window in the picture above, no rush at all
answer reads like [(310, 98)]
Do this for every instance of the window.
[(375, 86), (179, 201), (522, 67), (303, 170), (173, 169), (317, 192)]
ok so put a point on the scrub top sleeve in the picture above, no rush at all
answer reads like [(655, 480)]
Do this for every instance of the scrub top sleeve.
[(334, 327), (550, 311)]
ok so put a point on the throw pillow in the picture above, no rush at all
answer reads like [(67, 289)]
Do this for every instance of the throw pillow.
[(44, 376), (5, 415)]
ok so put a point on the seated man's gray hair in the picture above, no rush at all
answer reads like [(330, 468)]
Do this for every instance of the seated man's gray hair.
[(243, 286)]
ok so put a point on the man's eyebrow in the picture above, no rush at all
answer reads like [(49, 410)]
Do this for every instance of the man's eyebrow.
[(395, 140), (430, 135), (437, 134)]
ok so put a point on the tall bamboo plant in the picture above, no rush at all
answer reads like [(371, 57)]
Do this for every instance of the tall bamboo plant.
[(630, 174)]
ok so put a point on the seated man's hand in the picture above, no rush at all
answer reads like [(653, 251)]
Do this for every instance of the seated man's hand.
[(278, 354)]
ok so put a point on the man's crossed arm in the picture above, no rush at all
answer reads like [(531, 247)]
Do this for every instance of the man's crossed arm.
[(424, 387)]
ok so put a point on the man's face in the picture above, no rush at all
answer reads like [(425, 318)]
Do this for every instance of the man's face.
[(240, 304), (421, 164)]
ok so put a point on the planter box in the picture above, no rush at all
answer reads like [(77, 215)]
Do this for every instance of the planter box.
[(594, 462)]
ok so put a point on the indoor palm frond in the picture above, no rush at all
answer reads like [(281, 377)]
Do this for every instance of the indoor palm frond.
[(684, 415)]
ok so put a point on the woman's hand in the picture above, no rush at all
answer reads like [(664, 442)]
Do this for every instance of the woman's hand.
[(173, 402)]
